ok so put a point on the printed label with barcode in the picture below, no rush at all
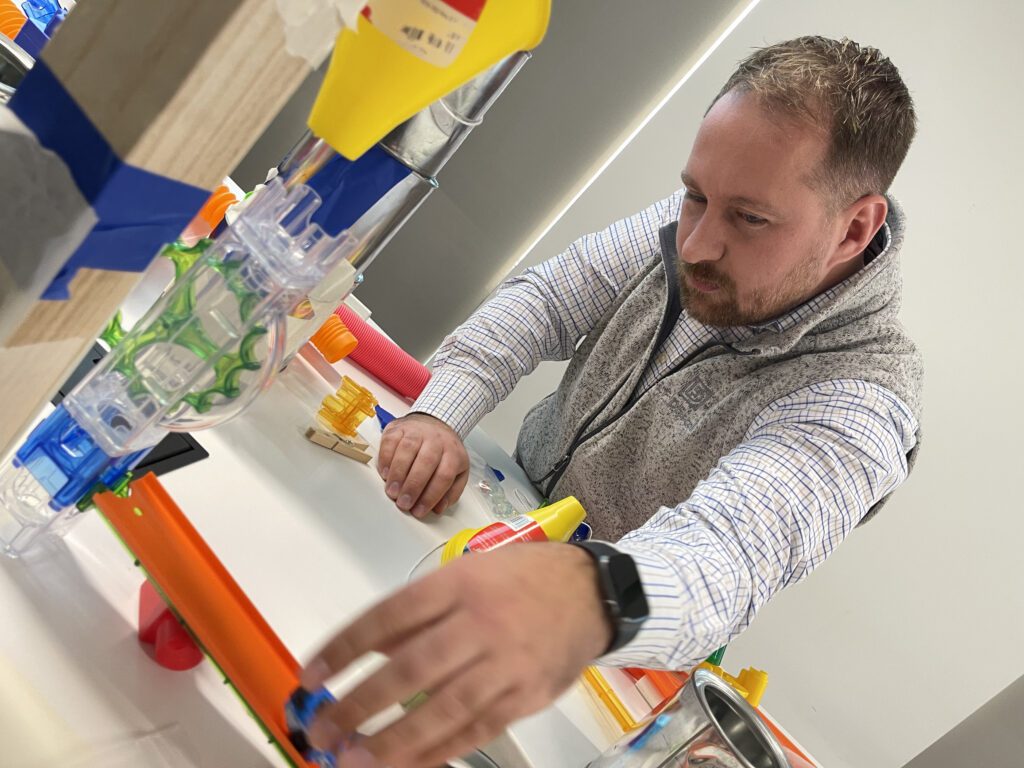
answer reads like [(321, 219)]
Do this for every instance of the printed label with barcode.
[(434, 30)]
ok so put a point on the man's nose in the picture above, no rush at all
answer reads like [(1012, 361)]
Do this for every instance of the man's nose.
[(699, 239)]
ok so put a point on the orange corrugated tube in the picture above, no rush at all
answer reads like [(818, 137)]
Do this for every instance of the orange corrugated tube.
[(11, 19), (216, 205), (334, 339)]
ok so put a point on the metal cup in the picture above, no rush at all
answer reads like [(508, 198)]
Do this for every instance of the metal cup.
[(709, 725)]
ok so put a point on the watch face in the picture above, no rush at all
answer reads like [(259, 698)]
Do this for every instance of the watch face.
[(628, 589)]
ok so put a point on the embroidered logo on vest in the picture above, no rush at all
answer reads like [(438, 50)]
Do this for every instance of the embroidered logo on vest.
[(696, 392)]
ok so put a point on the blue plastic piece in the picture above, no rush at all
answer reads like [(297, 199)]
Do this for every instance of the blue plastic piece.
[(657, 725), (52, 24), (582, 533), (42, 13), (383, 417), (65, 459), (498, 474), (349, 189), (31, 39), (299, 712)]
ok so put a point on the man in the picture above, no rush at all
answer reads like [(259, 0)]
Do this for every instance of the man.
[(740, 396)]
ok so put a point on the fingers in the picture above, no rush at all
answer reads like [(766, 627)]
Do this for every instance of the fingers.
[(459, 486), (389, 440), (439, 485), (383, 626), (428, 462), (405, 456), (424, 464), (466, 703), (357, 758), (423, 663), (453, 494)]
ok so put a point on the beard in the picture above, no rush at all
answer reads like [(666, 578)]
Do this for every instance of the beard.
[(724, 308)]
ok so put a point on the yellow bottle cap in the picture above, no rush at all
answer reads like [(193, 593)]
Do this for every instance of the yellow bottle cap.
[(456, 545), (561, 518)]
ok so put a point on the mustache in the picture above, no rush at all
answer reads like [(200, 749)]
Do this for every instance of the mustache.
[(706, 273)]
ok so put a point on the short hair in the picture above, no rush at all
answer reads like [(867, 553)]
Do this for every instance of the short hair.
[(852, 92)]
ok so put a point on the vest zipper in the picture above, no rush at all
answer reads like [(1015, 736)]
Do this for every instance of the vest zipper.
[(666, 235), (556, 472)]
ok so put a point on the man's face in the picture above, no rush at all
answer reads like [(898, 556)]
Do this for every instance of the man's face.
[(754, 237)]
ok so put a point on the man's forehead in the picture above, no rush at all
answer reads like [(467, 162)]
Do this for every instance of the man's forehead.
[(755, 200), (744, 151)]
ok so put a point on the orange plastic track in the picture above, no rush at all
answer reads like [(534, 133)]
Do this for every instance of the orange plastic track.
[(211, 604)]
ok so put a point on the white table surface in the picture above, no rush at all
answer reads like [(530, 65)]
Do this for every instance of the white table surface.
[(311, 538)]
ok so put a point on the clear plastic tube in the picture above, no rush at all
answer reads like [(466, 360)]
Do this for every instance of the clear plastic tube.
[(199, 356)]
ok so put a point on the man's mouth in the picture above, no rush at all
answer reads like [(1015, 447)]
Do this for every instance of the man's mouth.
[(704, 286)]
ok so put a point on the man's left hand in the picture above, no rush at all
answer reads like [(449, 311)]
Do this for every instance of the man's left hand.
[(491, 637)]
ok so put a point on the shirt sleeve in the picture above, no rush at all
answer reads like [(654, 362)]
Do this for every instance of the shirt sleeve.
[(539, 315), (809, 468)]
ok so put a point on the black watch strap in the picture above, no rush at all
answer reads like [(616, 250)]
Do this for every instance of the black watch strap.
[(621, 591)]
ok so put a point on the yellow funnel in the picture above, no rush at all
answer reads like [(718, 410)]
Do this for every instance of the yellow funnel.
[(410, 53)]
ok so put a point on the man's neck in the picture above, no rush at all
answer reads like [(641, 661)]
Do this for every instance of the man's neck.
[(841, 273)]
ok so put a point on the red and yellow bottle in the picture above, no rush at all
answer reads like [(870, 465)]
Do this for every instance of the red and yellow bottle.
[(555, 522)]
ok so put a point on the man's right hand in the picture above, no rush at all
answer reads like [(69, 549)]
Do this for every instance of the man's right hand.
[(423, 463)]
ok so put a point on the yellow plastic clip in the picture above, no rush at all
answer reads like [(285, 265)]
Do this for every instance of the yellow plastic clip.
[(345, 410)]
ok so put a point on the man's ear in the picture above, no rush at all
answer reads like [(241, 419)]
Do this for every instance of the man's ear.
[(862, 220)]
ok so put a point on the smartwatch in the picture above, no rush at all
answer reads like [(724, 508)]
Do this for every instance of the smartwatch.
[(621, 591)]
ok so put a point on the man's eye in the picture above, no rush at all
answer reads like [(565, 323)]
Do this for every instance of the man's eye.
[(688, 195), (752, 219)]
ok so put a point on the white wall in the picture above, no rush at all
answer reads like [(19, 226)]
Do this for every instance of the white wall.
[(917, 620)]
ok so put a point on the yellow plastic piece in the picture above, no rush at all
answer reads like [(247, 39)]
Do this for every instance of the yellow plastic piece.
[(750, 684), (755, 681), (373, 83), (597, 685), (345, 410)]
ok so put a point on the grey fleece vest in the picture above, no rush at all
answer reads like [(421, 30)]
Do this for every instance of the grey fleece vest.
[(625, 455)]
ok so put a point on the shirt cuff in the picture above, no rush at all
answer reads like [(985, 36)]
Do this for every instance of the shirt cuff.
[(660, 637), (458, 399)]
